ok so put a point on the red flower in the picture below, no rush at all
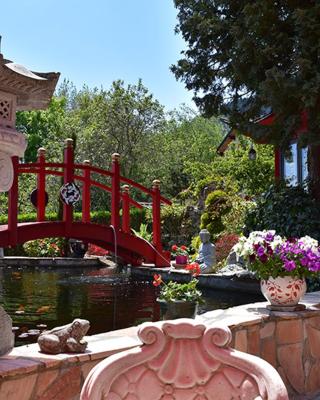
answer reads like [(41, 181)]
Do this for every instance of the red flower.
[(174, 247), (96, 250), (194, 268), (157, 280), (183, 247), (224, 245)]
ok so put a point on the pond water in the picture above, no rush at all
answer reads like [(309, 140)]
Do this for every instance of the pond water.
[(55, 296)]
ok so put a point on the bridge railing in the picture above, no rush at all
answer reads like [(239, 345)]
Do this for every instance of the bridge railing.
[(71, 171)]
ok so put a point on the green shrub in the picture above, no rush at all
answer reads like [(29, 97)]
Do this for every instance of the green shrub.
[(143, 232), (217, 205), (195, 243), (216, 197), (17, 251), (98, 217), (205, 219), (290, 211), (201, 184), (234, 221), (137, 217), (171, 219)]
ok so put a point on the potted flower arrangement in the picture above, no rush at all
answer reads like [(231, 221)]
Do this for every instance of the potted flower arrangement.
[(179, 300), (281, 264), (181, 254)]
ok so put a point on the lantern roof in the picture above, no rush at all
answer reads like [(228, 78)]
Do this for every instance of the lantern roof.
[(33, 90)]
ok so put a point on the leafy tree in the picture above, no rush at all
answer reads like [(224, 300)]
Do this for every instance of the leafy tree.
[(244, 56), (236, 174), (119, 120), (182, 152), (249, 177), (43, 128)]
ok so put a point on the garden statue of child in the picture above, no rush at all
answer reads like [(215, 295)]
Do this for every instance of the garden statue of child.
[(207, 252)]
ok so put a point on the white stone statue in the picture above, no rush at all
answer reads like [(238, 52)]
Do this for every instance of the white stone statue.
[(207, 252)]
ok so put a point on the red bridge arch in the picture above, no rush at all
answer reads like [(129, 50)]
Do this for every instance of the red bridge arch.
[(115, 237)]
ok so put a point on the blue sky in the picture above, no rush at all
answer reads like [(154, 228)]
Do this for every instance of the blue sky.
[(95, 42)]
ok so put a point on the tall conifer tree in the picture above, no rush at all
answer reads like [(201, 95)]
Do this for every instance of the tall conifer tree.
[(246, 57)]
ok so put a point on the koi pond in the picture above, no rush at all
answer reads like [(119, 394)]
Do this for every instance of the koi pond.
[(44, 297)]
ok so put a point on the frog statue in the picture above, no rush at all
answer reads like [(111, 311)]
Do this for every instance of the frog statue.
[(65, 339)]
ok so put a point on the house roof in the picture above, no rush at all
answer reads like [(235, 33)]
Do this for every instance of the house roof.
[(231, 135)]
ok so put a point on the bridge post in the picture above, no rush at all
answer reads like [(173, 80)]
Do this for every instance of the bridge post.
[(41, 185), (86, 198), (126, 208), (156, 217), (13, 204), (115, 193), (68, 158)]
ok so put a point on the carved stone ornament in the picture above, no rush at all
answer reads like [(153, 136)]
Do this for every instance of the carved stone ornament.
[(6, 172), (70, 193), (183, 360), (12, 143)]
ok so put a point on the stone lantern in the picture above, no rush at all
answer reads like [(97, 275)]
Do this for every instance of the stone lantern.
[(20, 89)]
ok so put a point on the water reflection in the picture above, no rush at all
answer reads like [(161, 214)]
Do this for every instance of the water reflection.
[(109, 300)]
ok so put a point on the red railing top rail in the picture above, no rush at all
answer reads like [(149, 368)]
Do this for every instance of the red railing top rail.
[(34, 167)]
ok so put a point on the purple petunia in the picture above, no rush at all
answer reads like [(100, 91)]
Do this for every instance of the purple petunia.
[(263, 258), (267, 251), (260, 251), (289, 265), (314, 267), (304, 261), (269, 237)]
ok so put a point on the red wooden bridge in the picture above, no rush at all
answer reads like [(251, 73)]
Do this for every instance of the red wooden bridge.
[(116, 237)]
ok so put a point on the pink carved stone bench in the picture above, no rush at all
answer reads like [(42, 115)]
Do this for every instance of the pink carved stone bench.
[(183, 360)]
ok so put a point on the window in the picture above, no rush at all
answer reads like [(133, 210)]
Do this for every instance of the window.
[(294, 165), (290, 163), (304, 164)]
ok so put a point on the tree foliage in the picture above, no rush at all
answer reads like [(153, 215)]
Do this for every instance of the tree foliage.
[(119, 120), (43, 127), (249, 177), (234, 172), (125, 119), (245, 55), (290, 211), (183, 151)]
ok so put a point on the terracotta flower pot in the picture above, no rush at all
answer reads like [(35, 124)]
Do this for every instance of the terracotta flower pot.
[(283, 291), (182, 260), (177, 309)]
